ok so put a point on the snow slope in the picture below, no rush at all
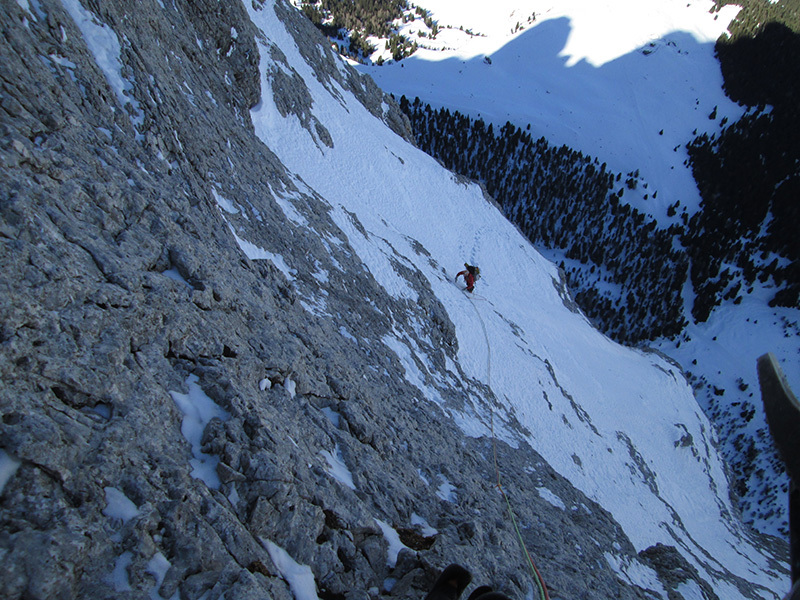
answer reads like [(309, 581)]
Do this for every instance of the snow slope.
[(631, 83), (620, 424), (605, 78)]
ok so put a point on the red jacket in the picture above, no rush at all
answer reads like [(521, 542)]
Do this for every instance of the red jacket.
[(469, 278)]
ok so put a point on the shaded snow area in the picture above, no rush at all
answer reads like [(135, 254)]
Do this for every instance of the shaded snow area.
[(393, 539), (299, 577), (104, 45), (720, 356), (198, 411), (614, 421), (8, 466), (337, 467)]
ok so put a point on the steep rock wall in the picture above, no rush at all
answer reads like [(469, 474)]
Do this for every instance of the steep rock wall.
[(174, 410)]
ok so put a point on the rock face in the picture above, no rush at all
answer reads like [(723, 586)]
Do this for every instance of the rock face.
[(175, 415)]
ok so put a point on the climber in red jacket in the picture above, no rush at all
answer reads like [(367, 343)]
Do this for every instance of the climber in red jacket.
[(471, 274)]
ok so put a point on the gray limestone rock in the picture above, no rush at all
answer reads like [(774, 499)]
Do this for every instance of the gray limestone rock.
[(123, 292)]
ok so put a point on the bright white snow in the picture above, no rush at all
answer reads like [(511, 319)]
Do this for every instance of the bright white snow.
[(254, 252), (627, 81), (446, 490), (337, 467), (546, 494), (636, 573), (105, 47), (604, 416), (393, 539), (119, 506), (299, 577), (424, 526), (198, 410), (158, 566), (118, 579)]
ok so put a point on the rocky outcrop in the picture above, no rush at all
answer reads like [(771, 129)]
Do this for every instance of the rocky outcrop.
[(674, 571), (179, 419)]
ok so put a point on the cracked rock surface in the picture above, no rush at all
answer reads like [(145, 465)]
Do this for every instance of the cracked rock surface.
[(126, 305)]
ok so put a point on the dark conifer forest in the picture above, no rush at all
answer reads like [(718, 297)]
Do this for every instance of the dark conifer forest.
[(749, 175), (628, 273), (356, 20), (369, 17)]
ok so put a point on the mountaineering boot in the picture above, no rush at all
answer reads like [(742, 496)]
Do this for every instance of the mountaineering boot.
[(783, 413), (479, 591), (783, 416), (453, 580), (491, 595)]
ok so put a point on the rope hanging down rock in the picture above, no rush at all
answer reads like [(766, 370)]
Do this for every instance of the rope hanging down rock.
[(537, 577)]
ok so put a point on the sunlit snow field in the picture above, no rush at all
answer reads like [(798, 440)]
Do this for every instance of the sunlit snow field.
[(626, 81), (609, 419), (629, 82)]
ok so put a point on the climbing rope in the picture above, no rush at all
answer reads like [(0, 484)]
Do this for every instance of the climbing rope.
[(541, 587)]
